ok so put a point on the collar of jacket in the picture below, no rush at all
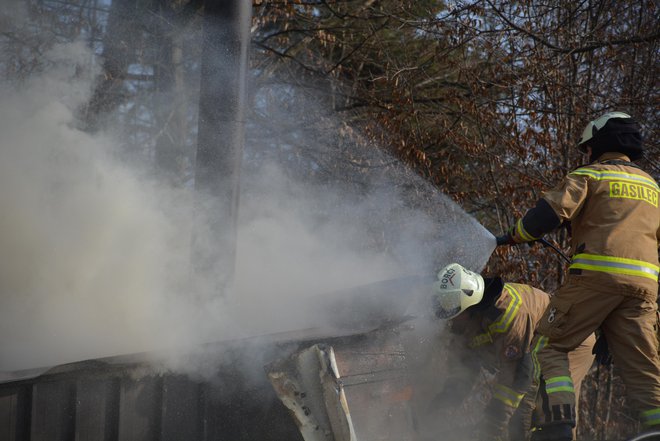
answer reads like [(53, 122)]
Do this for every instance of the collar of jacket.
[(492, 291), (607, 156)]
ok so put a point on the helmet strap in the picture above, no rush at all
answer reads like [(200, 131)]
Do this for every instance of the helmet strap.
[(492, 292)]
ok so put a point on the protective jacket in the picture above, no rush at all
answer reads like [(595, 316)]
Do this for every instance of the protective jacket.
[(612, 207), (499, 339)]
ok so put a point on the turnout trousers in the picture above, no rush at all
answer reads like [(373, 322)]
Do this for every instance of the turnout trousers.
[(630, 326), (530, 412)]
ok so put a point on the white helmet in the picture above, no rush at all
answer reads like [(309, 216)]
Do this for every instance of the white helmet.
[(594, 126), (456, 290)]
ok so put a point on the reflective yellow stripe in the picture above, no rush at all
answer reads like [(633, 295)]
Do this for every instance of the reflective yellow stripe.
[(559, 384), (506, 319), (615, 265), (480, 340), (520, 229), (605, 175), (651, 417), (540, 344), (507, 395)]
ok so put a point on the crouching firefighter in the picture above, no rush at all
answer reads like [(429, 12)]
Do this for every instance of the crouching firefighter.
[(495, 322), (612, 207)]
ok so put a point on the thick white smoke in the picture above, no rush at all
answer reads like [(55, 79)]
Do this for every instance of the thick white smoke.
[(94, 255), (89, 253)]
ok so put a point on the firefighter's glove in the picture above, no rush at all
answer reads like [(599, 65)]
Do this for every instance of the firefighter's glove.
[(602, 351), (506, 239)]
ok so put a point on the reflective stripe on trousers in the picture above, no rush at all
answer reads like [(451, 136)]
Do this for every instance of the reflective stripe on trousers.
[(559, 384), (650, 418)]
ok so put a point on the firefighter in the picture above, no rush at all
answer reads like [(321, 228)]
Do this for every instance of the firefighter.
[(612, 208), (496, 321)]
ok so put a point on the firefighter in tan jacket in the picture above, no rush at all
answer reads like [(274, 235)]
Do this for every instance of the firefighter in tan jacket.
[(612, 207), (495, 322)]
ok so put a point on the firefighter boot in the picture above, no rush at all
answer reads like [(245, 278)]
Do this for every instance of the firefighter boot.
[(554, 432)]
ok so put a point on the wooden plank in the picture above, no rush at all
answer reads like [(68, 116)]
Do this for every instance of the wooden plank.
[(139, 408), (53, 411), (8, 416), (232, 409), (14, 414), (180, 409), (378, 392), (96, 409), (380, 351)]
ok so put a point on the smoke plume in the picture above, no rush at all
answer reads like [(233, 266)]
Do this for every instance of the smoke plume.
[(95, 253)]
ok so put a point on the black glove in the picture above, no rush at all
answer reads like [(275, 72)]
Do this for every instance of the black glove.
[(506, 239), (602, 351)]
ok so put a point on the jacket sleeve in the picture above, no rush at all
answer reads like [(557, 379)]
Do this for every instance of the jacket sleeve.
[(515, 374), (507, 395), (557, 205), (513, 378)]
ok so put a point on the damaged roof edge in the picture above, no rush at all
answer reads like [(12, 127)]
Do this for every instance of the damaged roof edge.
[(156, 357)]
